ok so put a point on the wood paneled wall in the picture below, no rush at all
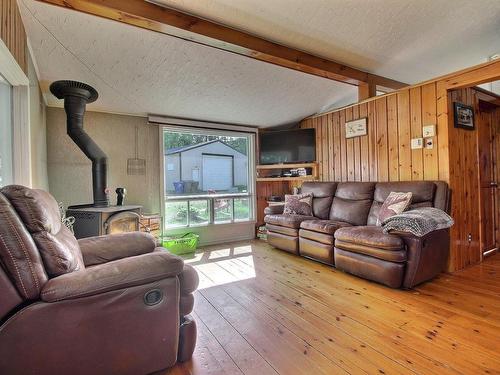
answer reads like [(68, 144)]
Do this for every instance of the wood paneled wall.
[(465, 168), (12, 31), (464, 176), (384, 154)]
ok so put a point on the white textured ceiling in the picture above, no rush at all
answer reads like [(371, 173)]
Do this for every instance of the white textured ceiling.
[(138, 71), (407, 40)]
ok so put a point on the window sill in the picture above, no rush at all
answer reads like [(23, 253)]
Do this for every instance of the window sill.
[(219, 224), (206, 196)]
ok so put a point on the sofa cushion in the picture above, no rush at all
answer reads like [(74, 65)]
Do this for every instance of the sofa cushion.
[(397, 256), (371, 241), (322, 193), (300, 204), (283, 230), (371, 236), (19, 256), (422, 195), (394, 204), (323, 226), (316, 250), (290, 221), (352, 202), (39, 212), (325, 238), (387, 273), (283, 242)]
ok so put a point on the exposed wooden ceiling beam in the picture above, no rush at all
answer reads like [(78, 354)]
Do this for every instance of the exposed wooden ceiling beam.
[(367, 90), (173, 22)]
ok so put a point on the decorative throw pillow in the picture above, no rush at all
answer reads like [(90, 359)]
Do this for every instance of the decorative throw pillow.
[(300, 204), (394, 204)]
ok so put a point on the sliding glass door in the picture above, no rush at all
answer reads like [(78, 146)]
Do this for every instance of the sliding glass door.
[(6, 162), (208, 177)]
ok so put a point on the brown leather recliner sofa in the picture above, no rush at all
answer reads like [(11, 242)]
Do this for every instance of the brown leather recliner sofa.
[(113, 304), (343, 231)]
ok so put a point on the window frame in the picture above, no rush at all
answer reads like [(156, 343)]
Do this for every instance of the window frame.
[(21, 139), (251, 182)]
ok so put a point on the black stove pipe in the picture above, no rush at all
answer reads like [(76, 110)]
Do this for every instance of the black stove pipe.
[(76, 95)]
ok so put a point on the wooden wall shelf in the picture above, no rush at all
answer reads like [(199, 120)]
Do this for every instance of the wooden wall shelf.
[(268, 186), (302, 178), (287, 166), (267, 168)]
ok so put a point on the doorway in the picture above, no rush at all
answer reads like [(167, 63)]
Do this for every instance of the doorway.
[(488, 135), (476, 153)]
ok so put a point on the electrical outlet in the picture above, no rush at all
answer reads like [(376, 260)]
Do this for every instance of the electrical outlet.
[(469, 237), (428, 143), (429, 131), (417, 143)]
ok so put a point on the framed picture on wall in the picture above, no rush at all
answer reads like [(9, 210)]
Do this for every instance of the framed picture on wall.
[(464, 116), (355, 128)]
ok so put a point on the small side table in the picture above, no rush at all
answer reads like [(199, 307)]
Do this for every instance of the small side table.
[(153, 222)]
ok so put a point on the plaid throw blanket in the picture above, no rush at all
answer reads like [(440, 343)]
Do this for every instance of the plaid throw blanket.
[(419, 221)]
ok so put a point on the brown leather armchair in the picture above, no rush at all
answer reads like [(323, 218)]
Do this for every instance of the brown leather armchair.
[(113, 304)]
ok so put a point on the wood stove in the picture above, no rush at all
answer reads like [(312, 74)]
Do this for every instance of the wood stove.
[(97, 218), (97, 221)]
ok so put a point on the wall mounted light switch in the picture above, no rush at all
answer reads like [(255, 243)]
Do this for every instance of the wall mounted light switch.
[(429, 131), (417, 143)]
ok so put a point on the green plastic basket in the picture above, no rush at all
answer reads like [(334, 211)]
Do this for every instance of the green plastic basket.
[(179, 245)]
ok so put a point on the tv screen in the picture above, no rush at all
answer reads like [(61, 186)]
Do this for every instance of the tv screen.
[(288, 146)]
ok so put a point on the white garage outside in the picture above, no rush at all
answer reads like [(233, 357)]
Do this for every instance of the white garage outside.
[(217, 172), (214, 165)]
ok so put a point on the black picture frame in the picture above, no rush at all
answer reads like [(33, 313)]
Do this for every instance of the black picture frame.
[(463, 116)]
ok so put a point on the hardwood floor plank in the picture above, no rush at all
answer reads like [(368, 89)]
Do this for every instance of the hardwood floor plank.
[(242, 354), (263, 311), (317, 331), (373, 309), (286, 353), (371, 316), (340, 329)]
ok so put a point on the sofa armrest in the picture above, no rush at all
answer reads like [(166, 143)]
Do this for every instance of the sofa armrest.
[(119, 274), (426, 256), (102, 249), (274, 210), (188, 282)]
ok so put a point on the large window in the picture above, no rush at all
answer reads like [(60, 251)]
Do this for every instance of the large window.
[(5, 133), (208, 177)]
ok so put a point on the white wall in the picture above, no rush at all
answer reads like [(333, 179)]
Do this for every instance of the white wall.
[(38, 131), (70, 171)]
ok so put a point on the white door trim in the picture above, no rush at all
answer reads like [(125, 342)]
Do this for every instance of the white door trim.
[(12, 72)]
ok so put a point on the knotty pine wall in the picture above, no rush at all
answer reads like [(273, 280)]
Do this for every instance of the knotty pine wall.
[(384, 154), (12, 31), (465, 168)]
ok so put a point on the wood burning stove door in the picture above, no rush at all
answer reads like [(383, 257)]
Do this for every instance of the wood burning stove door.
[(127, 221)]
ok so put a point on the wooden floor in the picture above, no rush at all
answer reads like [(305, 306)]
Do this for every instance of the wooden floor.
[(262, 311)]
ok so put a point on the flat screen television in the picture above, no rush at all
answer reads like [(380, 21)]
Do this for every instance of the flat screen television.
[(288, 146)]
